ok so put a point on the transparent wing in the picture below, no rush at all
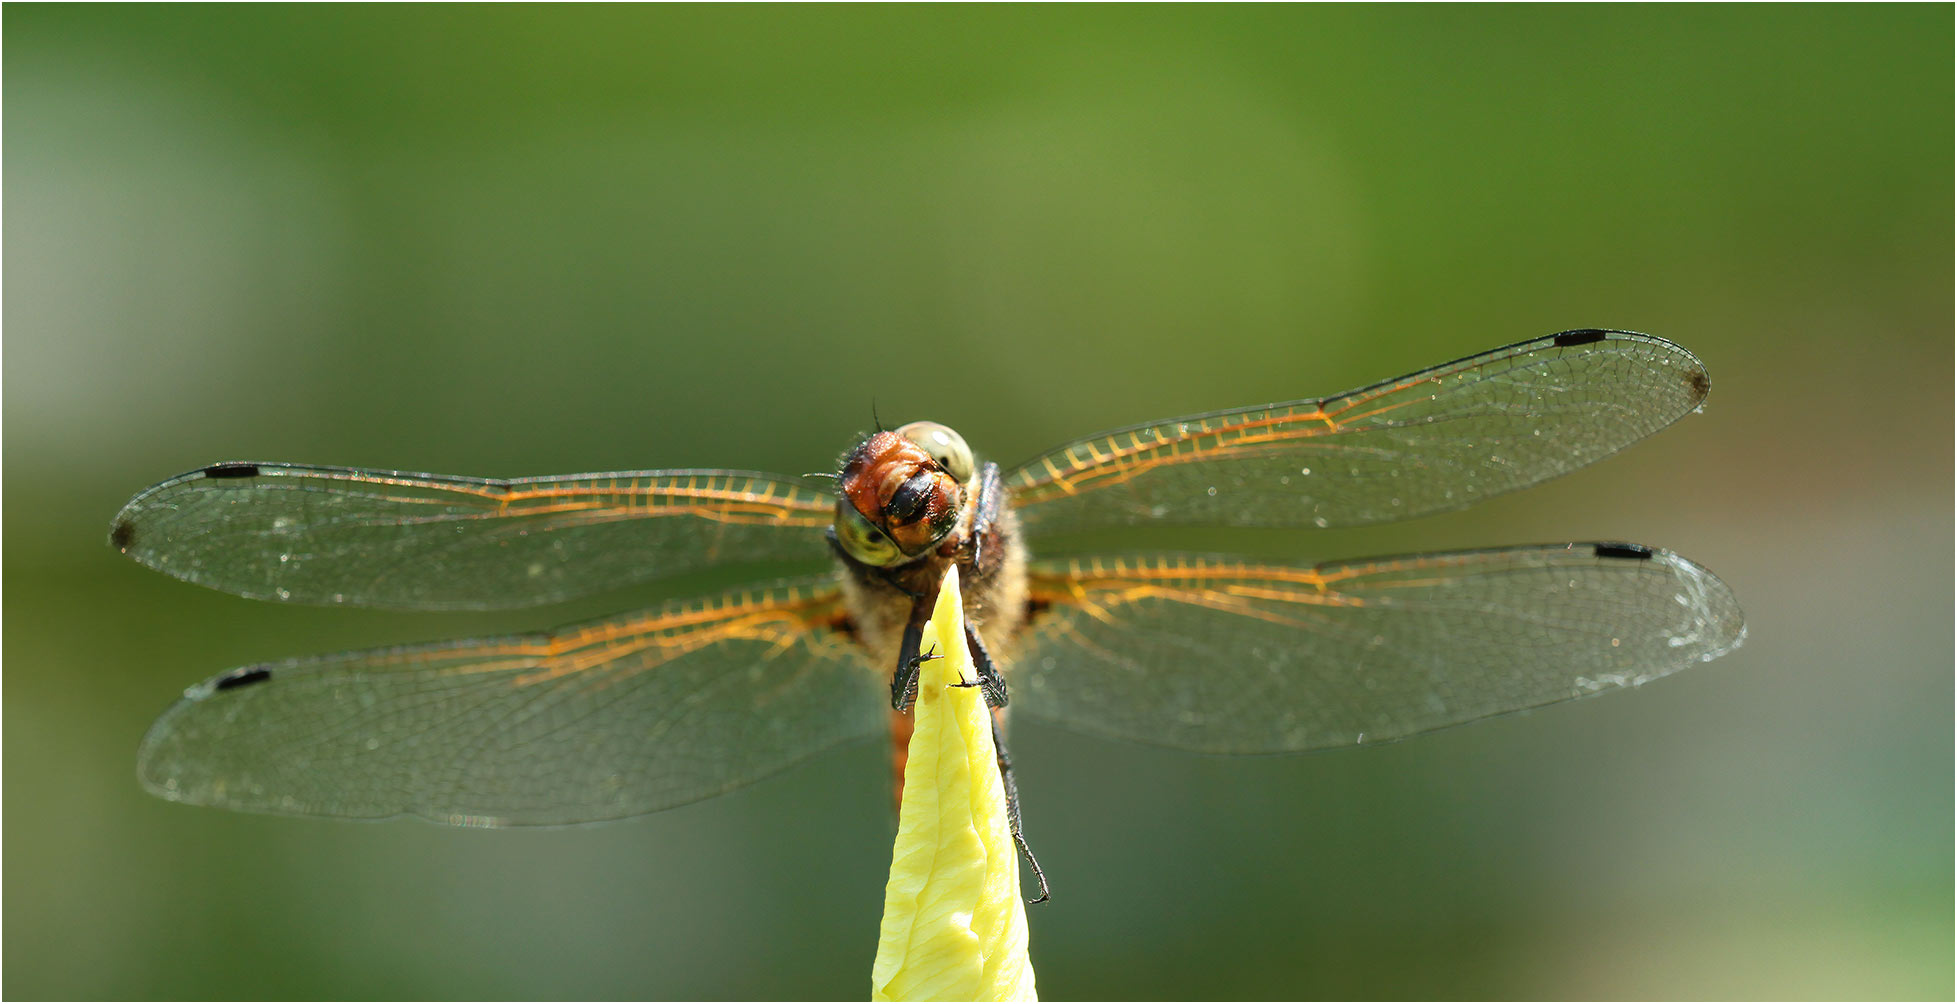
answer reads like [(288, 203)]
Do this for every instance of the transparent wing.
[(1227, 657), (605, 720), (1439, 439), (429, 542)]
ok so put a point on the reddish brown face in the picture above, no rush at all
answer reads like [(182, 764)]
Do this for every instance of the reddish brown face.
[(902, 493)]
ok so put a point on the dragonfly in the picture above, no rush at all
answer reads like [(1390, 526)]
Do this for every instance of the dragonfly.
[(657, 708)]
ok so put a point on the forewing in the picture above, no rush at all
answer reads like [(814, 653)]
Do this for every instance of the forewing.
[(601, 721), (1220, 656), (1439, 439), (429, 542)]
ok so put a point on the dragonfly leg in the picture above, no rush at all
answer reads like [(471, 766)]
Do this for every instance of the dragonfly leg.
[(989, 679), (1012, 809), (985, 512), (903, 683), (994, 687)]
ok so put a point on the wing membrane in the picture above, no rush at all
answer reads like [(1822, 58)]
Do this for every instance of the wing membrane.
[(1221, 656), (428, 542), (1439, 439), (605, 720)]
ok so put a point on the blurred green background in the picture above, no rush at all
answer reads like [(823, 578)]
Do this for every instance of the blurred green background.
[(520, 240)]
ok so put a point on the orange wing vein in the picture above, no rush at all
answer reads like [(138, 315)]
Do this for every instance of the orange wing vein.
[(1225, 656), (430, 542), (1439, 439), (600, 721)]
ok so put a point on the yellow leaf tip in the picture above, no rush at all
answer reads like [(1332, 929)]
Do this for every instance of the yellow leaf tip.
[(954, 926)]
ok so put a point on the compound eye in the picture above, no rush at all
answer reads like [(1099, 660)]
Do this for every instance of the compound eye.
[(862, 540), (945, 446)]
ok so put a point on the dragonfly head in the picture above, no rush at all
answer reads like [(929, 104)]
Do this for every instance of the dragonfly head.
[(901, 493)]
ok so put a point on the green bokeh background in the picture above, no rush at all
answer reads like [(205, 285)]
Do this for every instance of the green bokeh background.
[(520, 240)]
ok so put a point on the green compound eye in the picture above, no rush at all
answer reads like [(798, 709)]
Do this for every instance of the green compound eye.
[(945, 446), (862, 540)]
